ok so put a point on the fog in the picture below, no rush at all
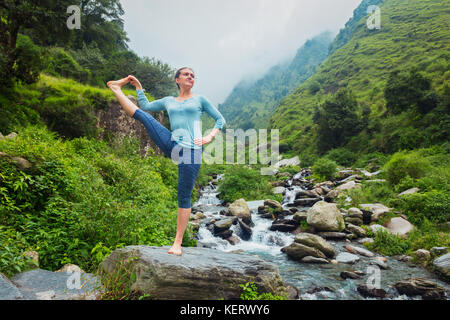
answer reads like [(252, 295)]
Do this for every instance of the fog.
[(225, 41)]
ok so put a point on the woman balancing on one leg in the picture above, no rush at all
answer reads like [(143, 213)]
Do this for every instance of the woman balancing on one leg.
[(185, 143)]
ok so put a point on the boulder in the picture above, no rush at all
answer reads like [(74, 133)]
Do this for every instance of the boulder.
[(370, 291), (315, 241), (423, 256), (224, 224), (295, 161), (345, 257), (377, 228), (442, 266), (355, 213), (41, 284), (348, 185), (300, 216), (332, 235), (306, 202), (428, 290), (358, 250), (309, 259), (358, 231), (8, 290), (325, 216), (437, 251), (273, 204), (284, 225), (239, 208), (198, 274), (409, 191), (377, 209), (298, 251), (245, 230), (349, 275), (399, 226), (70, 268)]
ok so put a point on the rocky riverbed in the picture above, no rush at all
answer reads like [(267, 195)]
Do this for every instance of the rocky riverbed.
[(319, 248)]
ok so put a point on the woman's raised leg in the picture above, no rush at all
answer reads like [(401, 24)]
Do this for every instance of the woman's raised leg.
[(116, 87)]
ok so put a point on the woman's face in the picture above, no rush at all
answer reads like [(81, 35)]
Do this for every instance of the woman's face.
[(186, 78)]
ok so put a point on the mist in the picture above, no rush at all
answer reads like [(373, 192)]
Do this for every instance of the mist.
[(226, 41)]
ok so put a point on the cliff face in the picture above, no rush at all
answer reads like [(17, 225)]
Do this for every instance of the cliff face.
[(114, 121)]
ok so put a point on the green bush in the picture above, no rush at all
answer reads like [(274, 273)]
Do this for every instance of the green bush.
[(342, 156), (324, 169), (240, 181), (388, 244), (250, 292), (404, 164), (78, 194), (433, 205)]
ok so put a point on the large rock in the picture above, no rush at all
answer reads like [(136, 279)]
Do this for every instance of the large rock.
[(198, 274), (345, 257), (41, 284), (348, 185), (325, 216), (239, 208), (314, 241), (8, 291), (377, 209), (295, 161), (298, 251), (420, 287), (442, 266), (399, 226)]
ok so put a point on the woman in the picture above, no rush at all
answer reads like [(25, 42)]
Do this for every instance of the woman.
[(185, 141)]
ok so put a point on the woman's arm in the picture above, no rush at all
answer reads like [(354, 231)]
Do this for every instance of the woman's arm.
[(154, 106), (216, 115)]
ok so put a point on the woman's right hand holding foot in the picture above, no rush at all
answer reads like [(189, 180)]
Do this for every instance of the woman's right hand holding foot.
[(135, 82)]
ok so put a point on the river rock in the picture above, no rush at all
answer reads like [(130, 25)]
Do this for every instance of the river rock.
[(332, 235), (315, 241), (364, 240), (273, 204), (437, 251), (348, 186), (198, 274), (442, 266), (409, 191), (233, 240), (278, 190), (345, 257), (8, 290), (325, 216), (70, 268), (349, 275), (224, 234), (245, 230), (309, 259), (358, 250), (420, 287), (399, 226), (355, 213), (370, 291), (306, 202), (239, 208), (380, 262), (423, 256), (224, 224), (284, 225), (377, 209), (377, 228), (300, 216), (358, 231), (298, 251), (41, 284)]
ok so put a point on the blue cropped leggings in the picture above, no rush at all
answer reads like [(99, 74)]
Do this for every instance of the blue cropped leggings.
[(188, 160)]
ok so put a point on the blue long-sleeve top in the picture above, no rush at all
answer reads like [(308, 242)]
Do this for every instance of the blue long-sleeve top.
[(185, 117)]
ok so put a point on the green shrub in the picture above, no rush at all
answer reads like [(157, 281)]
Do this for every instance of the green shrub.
[(433, 205), (388, 244), (404, 164), (250, 292), (342, 156), (324, 169)]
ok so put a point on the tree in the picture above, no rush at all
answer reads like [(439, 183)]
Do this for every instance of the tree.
[(337, 120)]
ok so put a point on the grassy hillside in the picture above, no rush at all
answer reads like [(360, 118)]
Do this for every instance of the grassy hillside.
[(413, 34)]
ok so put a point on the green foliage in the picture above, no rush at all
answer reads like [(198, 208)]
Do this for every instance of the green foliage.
[(342, 156), (241, 181), (324, 169), (433, 205), (388, 244), (80, 199), (403, 164), (250, 292), (337, 120), (58, 62)]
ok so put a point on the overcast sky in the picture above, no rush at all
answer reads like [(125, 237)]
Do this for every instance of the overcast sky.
[(226, 40)]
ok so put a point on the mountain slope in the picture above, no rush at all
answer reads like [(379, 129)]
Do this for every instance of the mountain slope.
[(413, 34), (251, 103)]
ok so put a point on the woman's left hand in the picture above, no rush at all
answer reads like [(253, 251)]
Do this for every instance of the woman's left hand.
[(205, 140)]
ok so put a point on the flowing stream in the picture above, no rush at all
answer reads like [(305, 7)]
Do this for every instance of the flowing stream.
[(314, 281)]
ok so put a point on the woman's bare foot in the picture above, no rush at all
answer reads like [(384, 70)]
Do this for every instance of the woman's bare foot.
[(176, 249), (117, 84)]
